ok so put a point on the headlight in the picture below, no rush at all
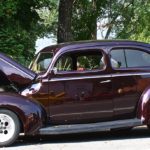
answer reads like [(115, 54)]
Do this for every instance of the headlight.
[(31, 90)]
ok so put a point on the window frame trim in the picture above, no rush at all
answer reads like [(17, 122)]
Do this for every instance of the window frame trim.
[(84, 71)]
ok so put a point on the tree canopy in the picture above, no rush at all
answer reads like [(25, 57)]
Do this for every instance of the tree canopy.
[(20, 26), (22, 22), (121, 19)]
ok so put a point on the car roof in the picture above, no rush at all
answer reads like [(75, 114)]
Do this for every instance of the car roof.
[(80, 44)]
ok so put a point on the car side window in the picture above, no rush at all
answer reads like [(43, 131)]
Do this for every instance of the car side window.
[(41, 62), (125, 58), (65, 63), (80, 61), (137, 58), (118, 58), (90, 62)]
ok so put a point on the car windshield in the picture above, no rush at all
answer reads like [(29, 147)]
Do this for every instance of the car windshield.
[(41, 62)]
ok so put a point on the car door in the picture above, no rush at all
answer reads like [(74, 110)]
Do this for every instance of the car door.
[(127, 78), (80, 91)]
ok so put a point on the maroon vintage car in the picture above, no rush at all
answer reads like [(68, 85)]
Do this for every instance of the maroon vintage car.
[(76, 87)]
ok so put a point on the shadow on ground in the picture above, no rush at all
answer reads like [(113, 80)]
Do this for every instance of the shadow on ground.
[(140, 132)]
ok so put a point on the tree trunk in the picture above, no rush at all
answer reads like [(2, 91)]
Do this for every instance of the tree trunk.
[(94, 21), (64, 33)]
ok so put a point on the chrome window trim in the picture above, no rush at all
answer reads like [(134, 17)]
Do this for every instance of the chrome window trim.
[(94, 76), (76, 78), (130, 74)]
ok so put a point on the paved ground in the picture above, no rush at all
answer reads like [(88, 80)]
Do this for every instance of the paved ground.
[(137, 139)]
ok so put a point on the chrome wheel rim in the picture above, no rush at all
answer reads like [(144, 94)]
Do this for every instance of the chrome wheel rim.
[(7, 127)]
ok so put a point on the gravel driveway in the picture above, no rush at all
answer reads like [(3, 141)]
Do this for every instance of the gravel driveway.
[(137, 139)]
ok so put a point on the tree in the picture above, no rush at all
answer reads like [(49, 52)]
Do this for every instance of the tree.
[(85, 15), (22, 22), (139, 27), (122, 19), (20, 25), (64, 32), (126, 19)]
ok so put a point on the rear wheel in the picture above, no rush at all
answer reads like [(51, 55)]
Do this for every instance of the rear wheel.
[(9, 127)]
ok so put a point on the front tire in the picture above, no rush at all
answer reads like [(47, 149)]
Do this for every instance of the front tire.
[(9, 127)]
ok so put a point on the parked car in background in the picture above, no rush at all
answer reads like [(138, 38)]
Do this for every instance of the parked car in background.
[(76, 87)]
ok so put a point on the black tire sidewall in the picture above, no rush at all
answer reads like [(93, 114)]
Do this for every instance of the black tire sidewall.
[(17, 127)]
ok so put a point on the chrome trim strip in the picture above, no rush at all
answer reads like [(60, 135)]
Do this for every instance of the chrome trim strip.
[(130, 74), (16, 68), (123, 109), (76, 78), (94, 76), (106, 81), (82, 113)]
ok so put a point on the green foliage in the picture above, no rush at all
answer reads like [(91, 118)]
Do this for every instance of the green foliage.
[(122, 19), (23, 21), (20, 26), (85, 14), (17, 43), (49, 17), (127, 19), (142, 27)]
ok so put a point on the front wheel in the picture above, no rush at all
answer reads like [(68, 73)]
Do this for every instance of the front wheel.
[(9, 127)]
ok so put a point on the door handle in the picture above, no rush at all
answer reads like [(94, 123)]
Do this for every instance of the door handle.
[(82, 94), (105, 81), (120, 91)]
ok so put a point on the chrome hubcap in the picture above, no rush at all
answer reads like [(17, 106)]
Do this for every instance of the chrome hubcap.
[(7, 127)]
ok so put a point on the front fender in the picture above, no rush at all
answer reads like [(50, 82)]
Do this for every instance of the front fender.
[(31, 113), (143, 111)]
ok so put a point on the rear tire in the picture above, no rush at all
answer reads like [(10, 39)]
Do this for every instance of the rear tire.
[(9, 127)]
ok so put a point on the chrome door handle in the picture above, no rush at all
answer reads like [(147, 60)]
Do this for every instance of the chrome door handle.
[(120, 91), (106, 81)]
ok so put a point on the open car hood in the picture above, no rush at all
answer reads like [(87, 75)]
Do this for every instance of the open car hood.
[(14, 73)]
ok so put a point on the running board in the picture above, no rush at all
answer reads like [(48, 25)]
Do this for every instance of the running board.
[(91, 127)]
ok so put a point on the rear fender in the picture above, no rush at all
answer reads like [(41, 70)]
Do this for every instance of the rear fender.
[(31, 113), (143, 111)]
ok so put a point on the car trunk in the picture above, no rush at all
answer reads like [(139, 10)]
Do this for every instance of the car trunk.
[(14, 73)]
